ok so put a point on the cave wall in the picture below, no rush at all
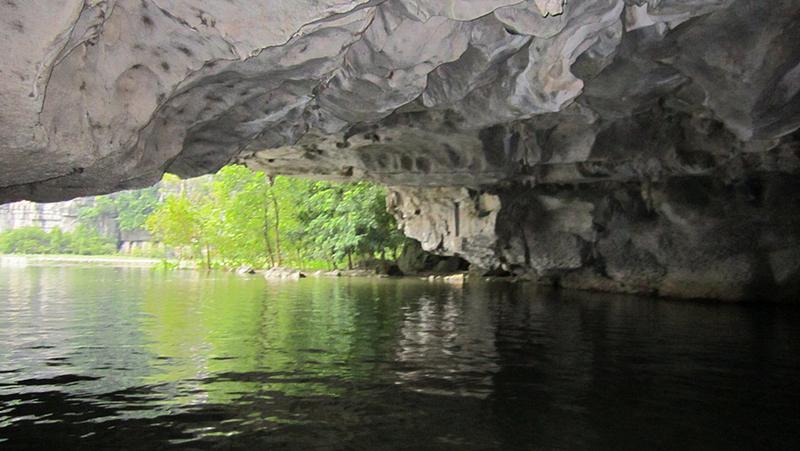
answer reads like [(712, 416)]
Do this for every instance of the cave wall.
[(540, 119), (687, 237)]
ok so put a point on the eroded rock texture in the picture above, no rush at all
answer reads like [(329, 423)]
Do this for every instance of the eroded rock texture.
[(628, 145)]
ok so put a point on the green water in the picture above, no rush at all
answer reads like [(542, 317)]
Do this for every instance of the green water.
[(99, 358)]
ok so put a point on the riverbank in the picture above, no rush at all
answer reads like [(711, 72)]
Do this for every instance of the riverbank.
[(277, 273), (102, 260), (283, 273)]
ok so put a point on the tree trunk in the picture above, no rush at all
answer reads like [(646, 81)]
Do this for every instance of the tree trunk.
[(277, 229), (349, 260), (277, 219), (268, 246), (208, 257)]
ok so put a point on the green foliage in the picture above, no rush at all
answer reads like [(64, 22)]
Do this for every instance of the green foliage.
[(346, 219), (174, 222), (60, 242), (26, 240), (244, 217), (130, 208), (237, 217), (148, 251), (83, 240)]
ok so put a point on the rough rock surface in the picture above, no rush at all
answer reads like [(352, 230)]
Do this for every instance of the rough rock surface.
[(61, 215), (635, 145), (279, 273), (688, 236)]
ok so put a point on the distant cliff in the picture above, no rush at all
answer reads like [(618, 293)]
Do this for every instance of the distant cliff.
[(65, 216), (109, 214), (62, 215)]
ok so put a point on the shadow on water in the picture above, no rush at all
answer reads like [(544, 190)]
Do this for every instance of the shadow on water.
[(96, 358)]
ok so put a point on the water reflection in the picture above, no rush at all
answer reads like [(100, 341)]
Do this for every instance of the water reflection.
[(103, 357), (446, 344)]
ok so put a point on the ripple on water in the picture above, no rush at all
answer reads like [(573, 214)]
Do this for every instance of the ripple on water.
[(100, 358)]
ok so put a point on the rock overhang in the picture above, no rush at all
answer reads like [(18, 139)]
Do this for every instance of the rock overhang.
[(520, 106)]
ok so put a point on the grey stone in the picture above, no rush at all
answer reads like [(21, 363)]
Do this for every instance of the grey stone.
[(628, 145), (279, 273), (245, 269)]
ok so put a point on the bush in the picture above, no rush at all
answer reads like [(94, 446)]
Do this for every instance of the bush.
[(25, 240), (87, 241), (83, 240)]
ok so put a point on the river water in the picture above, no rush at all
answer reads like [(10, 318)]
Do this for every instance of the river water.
[(115, 358)]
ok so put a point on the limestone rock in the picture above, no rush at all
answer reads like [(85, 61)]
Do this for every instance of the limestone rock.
[(61, 215), (358, 273), (549, 137), (457, 221), (455, 279), (279, 273), (106, 95), (245, 269)]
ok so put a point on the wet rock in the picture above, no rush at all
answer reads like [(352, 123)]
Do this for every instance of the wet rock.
[(245, 269), (389, 269), (358, 273), (455, 279), (279, 273), (321, 273), (413, 259), (692, 237), (448, 265)]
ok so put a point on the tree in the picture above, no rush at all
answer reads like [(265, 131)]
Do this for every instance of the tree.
[(238, 217), (344, 219), (244, 217), (176, 222), (59, 241), (289, 196), (276, 213), (83, 240), (86, 240), (25, 240), (129, 208), (226, 216)]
